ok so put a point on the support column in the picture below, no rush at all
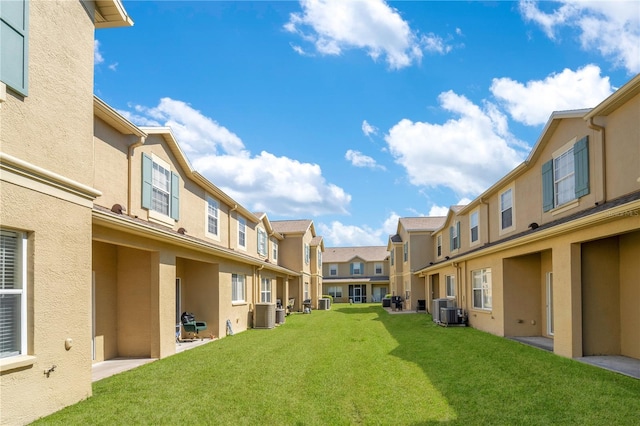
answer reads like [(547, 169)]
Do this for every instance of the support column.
[(163, 302), (567, 300)]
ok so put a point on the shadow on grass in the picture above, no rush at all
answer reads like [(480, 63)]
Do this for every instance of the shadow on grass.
[(488, 379)]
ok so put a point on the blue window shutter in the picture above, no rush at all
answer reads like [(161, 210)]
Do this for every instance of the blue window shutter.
[(361, 268), (14, 44), (547, 186), (147, 173), (351, 269), (175, 196), (581, 162), (458, 234)]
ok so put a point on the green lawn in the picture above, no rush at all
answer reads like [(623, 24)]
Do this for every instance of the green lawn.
[(356, 364)]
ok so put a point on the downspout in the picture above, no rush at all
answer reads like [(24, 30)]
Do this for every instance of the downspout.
[(129, 168), (600, 129), (488, 229), (234, 208)]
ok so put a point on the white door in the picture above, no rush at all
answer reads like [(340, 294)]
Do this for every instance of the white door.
[(550, 303), (356, 294)]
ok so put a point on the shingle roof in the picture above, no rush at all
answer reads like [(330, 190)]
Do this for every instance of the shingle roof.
[(291, 226), (316, 240), (345, 254), (427, 223), (396, 238)]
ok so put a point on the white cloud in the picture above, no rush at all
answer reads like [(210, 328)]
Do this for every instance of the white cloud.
[(611, 27), (533, 102), (358, 159), (444, 210), (97, 55), (113, 67), (333, 26), (368, 129), (337, 234), (264, 182), (466, 154)]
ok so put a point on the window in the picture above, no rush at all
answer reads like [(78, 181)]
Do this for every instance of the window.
[(14, 45), (237, 288), (481, 281), (160, 188), (319, 258), (566, 176), (335, 291), (306, 254), (242, 232), (333, 269), (454, 236), (439, 245), (506, 209), (306, 291), (378, 268), (265, 290), (406, 251), (450, 284), (473, 225), (262, 242), (393, 251), (357, 268), (274, 246), (213, 208), (13, 294)]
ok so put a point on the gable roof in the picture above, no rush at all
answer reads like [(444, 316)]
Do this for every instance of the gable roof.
[(317, 241), (423, 223), (293, 226), (345, 254)]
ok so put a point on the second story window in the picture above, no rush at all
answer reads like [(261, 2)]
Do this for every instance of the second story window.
[(242, 232), (333, 270), (160, 187), (454, 234), (319, 258), (307, 254), (393, 251), (473, 225), (506, 209), (274, 249), (262, 242), (566, 177), (378, 268), (439, 245), (406, 251), (213, 208), (357, 268)]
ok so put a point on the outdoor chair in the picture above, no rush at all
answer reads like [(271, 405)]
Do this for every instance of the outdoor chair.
[(190, 324)]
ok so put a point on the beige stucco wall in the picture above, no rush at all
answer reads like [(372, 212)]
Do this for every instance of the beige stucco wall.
[(59, 297), (52, 128), (522, 296), (630, 294)]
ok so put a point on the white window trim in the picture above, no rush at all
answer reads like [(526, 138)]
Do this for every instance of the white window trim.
[(457, 237), (262, 237), (242, 223), (452, 278), (483, 271), (307, 253), (558, 209), (274, 250), (332, 267), (513, 210), (375, 268), (21, 268), (206, 217), (153, 214), (244, 289), (439, 244), (265, 290), (476, 242)]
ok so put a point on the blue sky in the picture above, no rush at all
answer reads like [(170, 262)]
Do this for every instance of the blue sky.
[(355, 113)]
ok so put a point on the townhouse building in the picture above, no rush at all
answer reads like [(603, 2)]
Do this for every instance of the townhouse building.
[(301, 251), (356, 274), (552, 248), (166, 240), (409, 249), (47, 182)]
